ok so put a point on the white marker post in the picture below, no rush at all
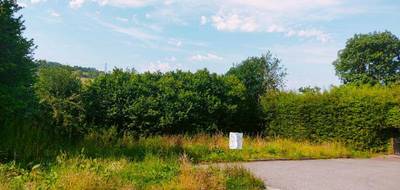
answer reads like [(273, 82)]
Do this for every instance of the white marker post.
[(235, 140)]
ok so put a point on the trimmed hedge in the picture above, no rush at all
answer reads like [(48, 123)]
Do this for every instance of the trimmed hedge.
[(361, 117)]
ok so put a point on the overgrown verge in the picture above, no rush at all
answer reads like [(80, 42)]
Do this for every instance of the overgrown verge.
[(102, 159), (80, 172)]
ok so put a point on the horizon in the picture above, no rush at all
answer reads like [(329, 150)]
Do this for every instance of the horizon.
[(151, 35)]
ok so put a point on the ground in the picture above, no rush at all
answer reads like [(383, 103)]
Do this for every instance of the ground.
[(332, 174)]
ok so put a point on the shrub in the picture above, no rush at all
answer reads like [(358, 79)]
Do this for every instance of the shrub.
[(58, 90), (362, 117), (156, 103)]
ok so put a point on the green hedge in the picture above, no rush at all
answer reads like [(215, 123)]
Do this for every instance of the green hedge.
[(163, 103), (362, 117)]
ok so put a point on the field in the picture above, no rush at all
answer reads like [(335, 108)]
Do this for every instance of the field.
[(103, 161)]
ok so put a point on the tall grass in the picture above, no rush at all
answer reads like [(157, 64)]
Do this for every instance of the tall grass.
[(152, 173), (214, 148), (103, 159)]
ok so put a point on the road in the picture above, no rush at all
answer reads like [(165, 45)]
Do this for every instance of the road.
[(335, 174)]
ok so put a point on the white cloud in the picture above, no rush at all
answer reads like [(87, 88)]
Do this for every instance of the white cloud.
[(170, 59), (284, 7), (163, 65), (247, 22), (76, 3), (37, 1), (168, 2), (175, 42), (159, 66), (234, 22), (54, 13), (121, 19), (203, 20), (23, 5), (206, 57), (310, 33), (125, 3), (302, 33), (130, 31), (166, 15), (116, 3)]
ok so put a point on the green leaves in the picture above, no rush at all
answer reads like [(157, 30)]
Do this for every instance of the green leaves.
[(59, 90), (360, 116), (372, 58), (16, 65), (156, 103)]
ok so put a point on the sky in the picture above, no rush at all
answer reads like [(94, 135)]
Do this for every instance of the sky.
[(165, 35)]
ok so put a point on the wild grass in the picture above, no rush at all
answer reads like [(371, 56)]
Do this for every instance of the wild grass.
[(214, 148), (206, 148), (104, 160), (85, 173)]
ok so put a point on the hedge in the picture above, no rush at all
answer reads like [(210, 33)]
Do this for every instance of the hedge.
[(163, 103), (363, 117)]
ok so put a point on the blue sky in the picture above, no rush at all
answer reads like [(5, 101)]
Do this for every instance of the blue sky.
[(164, 35)]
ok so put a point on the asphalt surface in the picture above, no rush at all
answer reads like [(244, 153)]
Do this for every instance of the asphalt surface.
[(335, 174)]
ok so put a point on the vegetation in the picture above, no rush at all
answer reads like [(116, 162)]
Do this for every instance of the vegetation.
[(152, 173), (82, 72), (372, 58), (363, 117), (65, 127), (16, 66), (156, 103), (259, 75), (102, 159)]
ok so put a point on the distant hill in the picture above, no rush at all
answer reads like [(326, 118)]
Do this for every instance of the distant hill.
[(84, 72)]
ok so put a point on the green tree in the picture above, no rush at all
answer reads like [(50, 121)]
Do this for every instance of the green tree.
[(309, 89), (372, 58), (16, 63), (259, 75), (58, 89)]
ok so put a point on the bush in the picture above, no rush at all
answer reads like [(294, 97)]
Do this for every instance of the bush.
[(156, 103), (58, 91), (362, 117)]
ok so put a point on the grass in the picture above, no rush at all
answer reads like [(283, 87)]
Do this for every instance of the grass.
[(103, 161), (214, 148), (152, 173)]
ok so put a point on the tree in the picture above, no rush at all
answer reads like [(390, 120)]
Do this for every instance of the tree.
[(309, 89), (58, 89), (372, 58), (259, 75), (16, 62)]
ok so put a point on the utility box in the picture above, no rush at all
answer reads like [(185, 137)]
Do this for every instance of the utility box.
[(235, 140)]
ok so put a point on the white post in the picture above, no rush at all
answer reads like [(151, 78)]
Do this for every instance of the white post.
[(235, 140)]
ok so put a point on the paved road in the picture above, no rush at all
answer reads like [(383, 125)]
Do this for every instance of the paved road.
[(338, 174)]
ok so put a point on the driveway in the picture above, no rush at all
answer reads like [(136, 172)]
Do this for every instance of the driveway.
[(336, 174)]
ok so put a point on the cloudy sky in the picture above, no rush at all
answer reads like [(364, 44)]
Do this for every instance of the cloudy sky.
[(151, 35)]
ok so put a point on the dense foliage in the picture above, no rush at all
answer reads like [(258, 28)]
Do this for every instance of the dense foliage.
[(259, 75), (372, 58), (59, 91), (362, 117), (17, 102), (16, 64), (156, 103), (82, 72)]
